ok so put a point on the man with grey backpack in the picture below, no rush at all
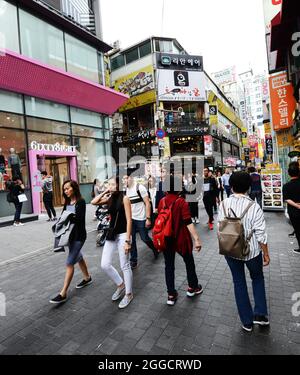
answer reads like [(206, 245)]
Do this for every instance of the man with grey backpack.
[(243, 241)]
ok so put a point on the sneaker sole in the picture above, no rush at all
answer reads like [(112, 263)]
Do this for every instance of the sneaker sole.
[(296, 252), (57, 303), (124, 306), (194, 294), (261, 323), (247, 329), (119, 296), (171, 303), (80, 287)]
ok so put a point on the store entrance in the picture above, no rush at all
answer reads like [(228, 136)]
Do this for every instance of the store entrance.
[(58, 168)]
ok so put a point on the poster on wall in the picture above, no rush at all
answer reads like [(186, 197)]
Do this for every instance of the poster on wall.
[(208, 151), (272, 187), (181, 85)]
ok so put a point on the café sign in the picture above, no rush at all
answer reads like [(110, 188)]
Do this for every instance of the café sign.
[(57, 147)]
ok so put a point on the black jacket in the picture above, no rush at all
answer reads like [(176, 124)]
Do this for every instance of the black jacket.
[(79, 230)]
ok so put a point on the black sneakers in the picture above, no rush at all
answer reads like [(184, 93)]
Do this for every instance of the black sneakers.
[(133, 265), (191, 292), (292, 234), (247, 327), (296, 251), (58, 299), (261, 320), (172, 298), (84, 283)]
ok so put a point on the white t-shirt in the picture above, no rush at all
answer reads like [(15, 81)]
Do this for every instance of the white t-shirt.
[(138, 207)]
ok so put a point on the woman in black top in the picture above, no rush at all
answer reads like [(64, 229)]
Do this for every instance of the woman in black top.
[(75, 204), (119, 238), (17, 188)]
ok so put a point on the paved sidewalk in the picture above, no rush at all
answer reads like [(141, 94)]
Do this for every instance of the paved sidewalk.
[(89, 323)]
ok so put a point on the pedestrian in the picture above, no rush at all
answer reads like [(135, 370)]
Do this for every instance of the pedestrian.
[(220, 186), (209, 196), (74, 203), (181, 242), (255, 228), (118, 238), (160, 191), (212, 175), (256, 191), (16, 188), (141, 216), (191, 189), (97, 189), (225, 180), (152, 188), (47, 187), (291, 195)]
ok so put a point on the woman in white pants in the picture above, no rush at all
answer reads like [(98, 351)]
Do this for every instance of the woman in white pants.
[(118, 238)]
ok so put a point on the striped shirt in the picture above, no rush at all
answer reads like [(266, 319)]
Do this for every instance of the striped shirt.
[(253, 220)]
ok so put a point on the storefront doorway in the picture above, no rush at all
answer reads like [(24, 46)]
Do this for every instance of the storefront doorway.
[(58, 168)]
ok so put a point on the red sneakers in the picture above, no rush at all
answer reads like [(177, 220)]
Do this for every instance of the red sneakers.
[(211, 226), (191, 292)]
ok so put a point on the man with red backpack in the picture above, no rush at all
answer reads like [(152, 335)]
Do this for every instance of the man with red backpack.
[(172, 233)]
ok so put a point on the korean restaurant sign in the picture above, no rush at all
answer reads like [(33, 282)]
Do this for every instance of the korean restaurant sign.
[(179, 62), (283, 102), (57, 147)]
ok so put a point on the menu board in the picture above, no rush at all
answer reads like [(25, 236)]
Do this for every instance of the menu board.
[(272, 186)]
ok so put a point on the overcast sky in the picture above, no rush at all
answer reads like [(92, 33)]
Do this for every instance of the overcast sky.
[(224, 32)]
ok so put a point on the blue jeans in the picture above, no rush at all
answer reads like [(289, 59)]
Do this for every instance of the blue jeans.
[(139, 226), (255, 267), (227, 190), (18, 206)]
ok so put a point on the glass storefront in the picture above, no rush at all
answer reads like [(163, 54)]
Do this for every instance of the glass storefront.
[(46, 125)]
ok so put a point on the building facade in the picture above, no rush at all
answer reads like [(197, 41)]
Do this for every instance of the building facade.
[(169, 110), (54, 108)]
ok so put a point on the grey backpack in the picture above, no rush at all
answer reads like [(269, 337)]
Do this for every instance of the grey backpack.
[(231, 235)]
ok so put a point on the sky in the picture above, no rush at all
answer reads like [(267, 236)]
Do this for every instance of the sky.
[(224, 32)]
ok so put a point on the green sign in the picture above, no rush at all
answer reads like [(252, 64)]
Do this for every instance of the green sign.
[(294, 154)]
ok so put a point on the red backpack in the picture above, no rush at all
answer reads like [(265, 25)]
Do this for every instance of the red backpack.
[(163, 227)]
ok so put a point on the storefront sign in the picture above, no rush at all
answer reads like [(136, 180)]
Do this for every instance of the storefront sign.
[(191, 84), (197, 130), (213, 114), (294, 154), (182, 62), (208, 151), (231, 162), (285, 138), (283, 102), (57, 147)]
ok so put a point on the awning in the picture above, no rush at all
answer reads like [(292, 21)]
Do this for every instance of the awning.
[(26, 76)]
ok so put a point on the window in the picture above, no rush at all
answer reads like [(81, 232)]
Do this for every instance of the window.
[(47, 126), (41, 41), (9, 26), (81, 116), (10, 120), (42, 108), (145, 49), (216, 145), (132, 55), (226, 149), (117, 62), (81, 59), (12, 138), (163, 46), (11, 102), (85, 131)]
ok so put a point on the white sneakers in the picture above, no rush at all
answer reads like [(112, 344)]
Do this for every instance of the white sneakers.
[(125, 301), (18, 224), (118, 293)]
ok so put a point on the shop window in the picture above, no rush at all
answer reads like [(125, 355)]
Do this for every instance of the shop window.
[(132, 55), (216, 145), (226, 148), (187, 145), (81, 116), (10, 102), (16, 165), (48, 138), (91, 159), (9, 36), (47, 126), (41, 41), (84, 131), (145, 49), (49, 110), (10, 120), (117, 62), (81, 59)]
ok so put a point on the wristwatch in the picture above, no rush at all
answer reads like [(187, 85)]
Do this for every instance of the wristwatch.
[(128, 242)]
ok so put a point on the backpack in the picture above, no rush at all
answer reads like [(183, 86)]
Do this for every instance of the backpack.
[(231, 235), (162, 228)]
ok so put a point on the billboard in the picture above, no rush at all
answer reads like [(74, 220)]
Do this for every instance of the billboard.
[(283, 103), (178, 85), (139, 85), (225, 76)]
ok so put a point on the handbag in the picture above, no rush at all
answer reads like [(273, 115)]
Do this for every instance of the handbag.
[(22, 198), (111, 236)]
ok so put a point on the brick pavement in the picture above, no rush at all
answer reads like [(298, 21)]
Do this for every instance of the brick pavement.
[(89, 323)]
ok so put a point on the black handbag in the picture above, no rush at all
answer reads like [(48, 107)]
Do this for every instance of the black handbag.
[(111, 236)]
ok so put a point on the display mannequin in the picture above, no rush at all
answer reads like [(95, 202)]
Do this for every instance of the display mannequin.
[(14, 163), (86, 163), (2, 162)]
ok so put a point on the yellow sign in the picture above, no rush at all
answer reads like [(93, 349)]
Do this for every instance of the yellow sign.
[(227, 112), (140, 87), (167, 151), (285, 138), (213, 114), (268, 129)]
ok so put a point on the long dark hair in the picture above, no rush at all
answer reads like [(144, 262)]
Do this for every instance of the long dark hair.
[(74, 185), (116, 199)]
